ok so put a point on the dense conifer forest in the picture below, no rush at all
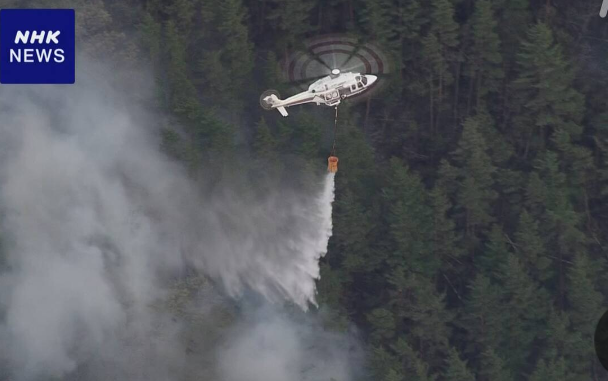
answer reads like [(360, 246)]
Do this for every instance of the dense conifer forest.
[(471, 215)]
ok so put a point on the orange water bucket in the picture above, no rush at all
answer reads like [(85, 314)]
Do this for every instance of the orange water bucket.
[(332, 164)]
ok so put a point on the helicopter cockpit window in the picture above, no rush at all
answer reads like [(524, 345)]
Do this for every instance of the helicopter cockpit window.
[(364, 80)]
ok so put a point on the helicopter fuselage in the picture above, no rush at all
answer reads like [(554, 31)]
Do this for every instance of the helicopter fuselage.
[(329, 91)]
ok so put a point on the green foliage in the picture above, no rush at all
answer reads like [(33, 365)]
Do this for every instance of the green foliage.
[(383, 363), (526, 309), (265, 144), (585, 300), (553, 370), (376, 16), (289, 20), (151, 34), (482, 317), (353, 225), (475, 194), (272, 71), (532, 248), (443, 26), (406, 197), (485, 58), (456, 368), (183, 96), (425, 313), (495, 253), (413, 366), (383, 324), (444, 237), (547, 100), (227, 63), (514, 19), (439, 53), (492, 367)]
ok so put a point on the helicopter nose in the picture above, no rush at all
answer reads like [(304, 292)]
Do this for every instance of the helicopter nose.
[(371, 79)]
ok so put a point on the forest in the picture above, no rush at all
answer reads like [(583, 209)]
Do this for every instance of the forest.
[(470, 235)]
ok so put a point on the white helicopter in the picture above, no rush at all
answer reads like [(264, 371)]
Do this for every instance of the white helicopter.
[(329, 90)]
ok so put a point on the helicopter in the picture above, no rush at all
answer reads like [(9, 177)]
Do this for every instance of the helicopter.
[(329, 91), (328, 70)]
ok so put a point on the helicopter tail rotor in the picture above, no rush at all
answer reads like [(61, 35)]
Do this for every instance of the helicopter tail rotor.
[(268, 98)]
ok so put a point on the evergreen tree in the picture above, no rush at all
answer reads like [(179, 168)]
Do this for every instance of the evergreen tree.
[(554, 370), (182, 94), (485, 60), (272, 71), (448, 178), (492, 367), (352, 229), (495, 253), (546, 96), (409, 219), (394, 375), (151, 38), (377, 17), (396, 27), (499, 149), (151, 32), (445, 245), (531, 247), (265, 147), (426, 318), (578, 165), (413, 366), (229, 52), (290, 21), (482, 317), (383, 324), (562, 342), (331, 286), (515, 16), (549, 200), (182, 13), (307, 135), (237, 50), (586, 302), (456, 369), (264, 143), (526, 306), (439, 50), (475, 193), (384, 363), (408, 21)]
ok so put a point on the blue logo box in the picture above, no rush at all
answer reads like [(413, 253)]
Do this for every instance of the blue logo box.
[(37, 46)]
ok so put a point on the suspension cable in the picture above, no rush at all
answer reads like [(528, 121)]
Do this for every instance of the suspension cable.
[(333, 148)]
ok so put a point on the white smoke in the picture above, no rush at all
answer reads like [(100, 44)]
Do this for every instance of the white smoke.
[(285, 350), (93, 220)]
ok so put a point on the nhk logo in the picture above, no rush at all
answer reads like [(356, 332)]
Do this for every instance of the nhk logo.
[(37, 46), (41, 55)]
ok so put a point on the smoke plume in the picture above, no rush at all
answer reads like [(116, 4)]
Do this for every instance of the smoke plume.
[(96, 224)]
